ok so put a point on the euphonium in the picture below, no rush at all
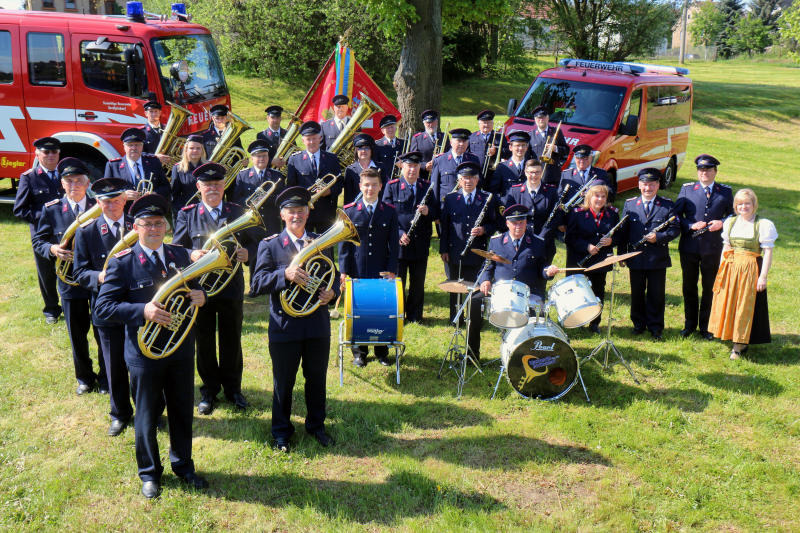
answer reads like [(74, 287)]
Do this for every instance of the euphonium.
[(171, 144), (64, 266), (288, 144), (213, 282), (319, 187), (226, 154), (157, 341), (301, 300), (128, 240), (342, 146)]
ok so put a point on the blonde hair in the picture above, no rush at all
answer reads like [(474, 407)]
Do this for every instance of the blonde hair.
[(183, 164), (591, 191), (745, 194)]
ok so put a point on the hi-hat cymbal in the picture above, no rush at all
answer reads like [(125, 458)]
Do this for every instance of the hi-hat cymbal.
[(491, 256), (610, 260), (454, 286)]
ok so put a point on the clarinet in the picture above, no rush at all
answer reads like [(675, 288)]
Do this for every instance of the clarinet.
[(418, 214), (558, 206), (699, 232), (659, 228), (577, 196), (607, 235), (477, 223)]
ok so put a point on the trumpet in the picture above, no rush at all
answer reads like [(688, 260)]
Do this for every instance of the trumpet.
[(145, 186), (157, 341), (318, 188), (549, 146), (406, 143), (64, 266), (477, 223)]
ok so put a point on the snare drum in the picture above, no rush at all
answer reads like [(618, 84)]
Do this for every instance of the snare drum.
[(373, 311), (508, 306), (539, 361), (574, 301)]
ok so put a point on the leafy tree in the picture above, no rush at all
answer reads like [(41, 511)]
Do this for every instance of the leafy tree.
[(789, 24), (752, 35), (732, 10), (768, 11), (707, 24), (611, 30)]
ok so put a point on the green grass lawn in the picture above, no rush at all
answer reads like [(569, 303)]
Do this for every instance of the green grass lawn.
[(702, 443)]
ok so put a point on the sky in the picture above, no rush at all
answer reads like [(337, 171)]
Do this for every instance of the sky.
[(10, 4)]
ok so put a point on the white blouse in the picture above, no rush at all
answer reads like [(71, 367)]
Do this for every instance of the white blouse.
[(767, 232)]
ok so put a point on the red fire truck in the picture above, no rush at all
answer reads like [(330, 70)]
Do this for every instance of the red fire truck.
[(633, 115), (84, 79)]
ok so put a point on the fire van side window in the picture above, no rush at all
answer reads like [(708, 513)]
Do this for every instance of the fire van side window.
[(6, 66), (46, 64), (107, 70), (668, 106)]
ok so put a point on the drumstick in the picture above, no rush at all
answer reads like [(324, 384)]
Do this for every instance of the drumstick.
[(570, 269), (335, 313)]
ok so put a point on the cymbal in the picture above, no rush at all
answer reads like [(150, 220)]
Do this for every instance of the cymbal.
[(491, 256), (610, 260), (454, 286)]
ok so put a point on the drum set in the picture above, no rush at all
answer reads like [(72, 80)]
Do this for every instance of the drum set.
[(535, 355)]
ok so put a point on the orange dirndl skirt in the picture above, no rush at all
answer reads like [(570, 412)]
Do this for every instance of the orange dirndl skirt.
[(734, 300)]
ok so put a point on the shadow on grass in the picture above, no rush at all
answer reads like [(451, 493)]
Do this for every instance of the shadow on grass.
[(401, 495), (742, 384), (783, 350)]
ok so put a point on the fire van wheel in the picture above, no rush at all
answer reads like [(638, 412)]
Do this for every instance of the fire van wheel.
[(669, 174)]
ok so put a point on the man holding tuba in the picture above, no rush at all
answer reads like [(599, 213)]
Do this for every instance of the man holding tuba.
[(308, 166), (48, 241), (194, 224), (295, 339), (331, 128), (219, 123), (273, 134), (132, 279)]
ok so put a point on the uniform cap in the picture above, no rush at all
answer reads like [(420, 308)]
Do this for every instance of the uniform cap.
[(486, 114), (47, 143), (429, 115), (519, 136), (132, 135), (219, 110), (582, 150), (105, 188), (149, 205), (209, 172), (460, 133), (706, 161), (151, 104), (411, 157), (468, 168), (362, 139), (294, 197), (649, 174), (310, 128), (71, 166), (340, 99), (258, 146), (541, 111), (516, 212), (388, 120), (274, 110)]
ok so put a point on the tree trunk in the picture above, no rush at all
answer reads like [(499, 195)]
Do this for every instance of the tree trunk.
[(494, 46), (418, 79)]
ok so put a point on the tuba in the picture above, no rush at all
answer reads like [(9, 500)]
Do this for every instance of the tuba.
[(226, 154), (128, 240), (288, 144), (171, 144), (213, 282), (299, 300), (342, 146), (157, 341), (64, 266)]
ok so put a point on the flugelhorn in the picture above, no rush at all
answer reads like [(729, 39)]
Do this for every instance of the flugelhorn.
[(170, 143), (64, 266), (318, 188), (213, 282), (302, 300), (157, 341), (342, 145)]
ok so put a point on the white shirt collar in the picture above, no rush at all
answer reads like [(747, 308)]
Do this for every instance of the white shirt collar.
[(706, 186), (132, 164), (537, 189), (111, 222), (295, 239), (82, 203), (150, 252), (209, 208)]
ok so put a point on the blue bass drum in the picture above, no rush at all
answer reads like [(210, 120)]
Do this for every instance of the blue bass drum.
[(373, 311)]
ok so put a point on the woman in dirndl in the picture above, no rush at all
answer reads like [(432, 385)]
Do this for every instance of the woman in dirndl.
[(739, 310)]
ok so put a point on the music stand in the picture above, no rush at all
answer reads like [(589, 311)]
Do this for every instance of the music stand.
[(607, 344)]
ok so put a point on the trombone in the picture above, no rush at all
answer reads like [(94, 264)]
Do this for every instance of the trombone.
[(439, 148)]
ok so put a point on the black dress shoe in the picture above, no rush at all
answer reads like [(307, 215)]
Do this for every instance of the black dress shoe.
[(150, 489), (50, 319), (656, 336), (594, 329), (238, 399), (359, 361), (194, 480), (707, 336), (162, 423), (385, 361), (116, 427), (282, 445), (206, 406), (638, 331), (82, 389), (685, 332), (323, 438), (103, 390)]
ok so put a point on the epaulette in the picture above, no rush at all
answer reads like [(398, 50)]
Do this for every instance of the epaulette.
[(52, 202), (390, 205), (393, 181), (115, 160), (723, 185), (351, 204), (496, 235), (518, 185), (27, 172), (87, 223), (271, 237), (579, 209), (688, 184), (613, 208), (187, 207), (549, 185), (418, 134), (123, 253), (631, 199), (440, 155)]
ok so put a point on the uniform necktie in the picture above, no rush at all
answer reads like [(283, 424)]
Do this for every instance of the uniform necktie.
[(519, 167), (52, 175), (159, 264), (516, 244), (458, 160), (313, 166), (215, 214), (77, 210), (647, 209), (261, 175), (469, 199), (116, 230), (708, 192), (369, 211)]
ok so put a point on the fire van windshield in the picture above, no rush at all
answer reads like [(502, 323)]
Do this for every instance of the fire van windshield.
[(576, 103), (190, 68)]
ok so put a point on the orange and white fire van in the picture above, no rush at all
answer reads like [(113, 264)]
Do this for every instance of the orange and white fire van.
[(84, 79), (633, 115)]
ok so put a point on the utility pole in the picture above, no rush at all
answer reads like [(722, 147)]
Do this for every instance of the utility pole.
[(684, 15)]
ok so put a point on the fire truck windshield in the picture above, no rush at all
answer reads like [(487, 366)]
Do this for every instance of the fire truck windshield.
[(190, 68), (574, 102)]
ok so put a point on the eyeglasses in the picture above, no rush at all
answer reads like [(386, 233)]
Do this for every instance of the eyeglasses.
[(152, 225), (50, 152)]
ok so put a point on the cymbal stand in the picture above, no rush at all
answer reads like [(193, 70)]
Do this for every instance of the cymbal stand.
[(607, 344), (459, 354)]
